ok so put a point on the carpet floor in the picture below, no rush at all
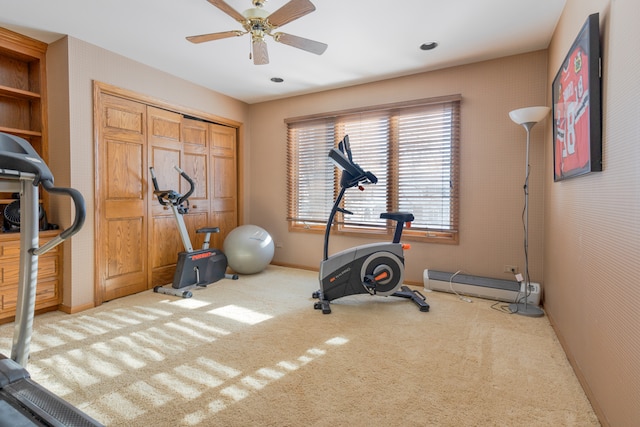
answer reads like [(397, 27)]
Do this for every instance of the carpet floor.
[(254, 352)]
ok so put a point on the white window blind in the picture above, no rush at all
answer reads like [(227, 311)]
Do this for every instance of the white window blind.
[(311, 187), (426, 174), (412, 148), (369, 138)]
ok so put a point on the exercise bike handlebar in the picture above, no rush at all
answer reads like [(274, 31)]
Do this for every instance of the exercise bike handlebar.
[(192, 185), (173, 196), (352, 173)]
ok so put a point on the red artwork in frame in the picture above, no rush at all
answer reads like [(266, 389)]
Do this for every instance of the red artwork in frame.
[(577, 123)]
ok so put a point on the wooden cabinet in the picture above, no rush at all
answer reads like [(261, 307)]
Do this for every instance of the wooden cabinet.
[(23, 89), (23, 112), (49, 275)]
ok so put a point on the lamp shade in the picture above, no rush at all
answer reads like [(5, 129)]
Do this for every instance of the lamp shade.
[(529, 114)]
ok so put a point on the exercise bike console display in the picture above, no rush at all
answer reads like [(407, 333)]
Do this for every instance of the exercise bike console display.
[(376, 268)]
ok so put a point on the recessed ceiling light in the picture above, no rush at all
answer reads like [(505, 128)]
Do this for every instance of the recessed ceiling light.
[(277, 79), (428, 45)]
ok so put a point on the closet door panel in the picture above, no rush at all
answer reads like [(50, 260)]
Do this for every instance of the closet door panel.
[(121, 209), (196, 164), (165, 152), (223, 177)]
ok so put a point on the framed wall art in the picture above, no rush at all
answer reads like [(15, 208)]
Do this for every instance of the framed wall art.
[(577, 117)]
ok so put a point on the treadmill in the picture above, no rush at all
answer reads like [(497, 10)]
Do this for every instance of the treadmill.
[(23, 402)]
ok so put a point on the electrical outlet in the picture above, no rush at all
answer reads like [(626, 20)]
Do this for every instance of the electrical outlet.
[(513, 269)]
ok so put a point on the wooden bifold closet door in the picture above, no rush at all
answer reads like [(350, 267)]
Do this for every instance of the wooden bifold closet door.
[(121, 211), (137, 238)]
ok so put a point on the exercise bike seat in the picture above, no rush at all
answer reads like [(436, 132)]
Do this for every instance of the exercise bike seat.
[(398, 216)]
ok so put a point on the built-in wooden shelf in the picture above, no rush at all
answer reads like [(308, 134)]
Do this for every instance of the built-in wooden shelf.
[(18, 93)]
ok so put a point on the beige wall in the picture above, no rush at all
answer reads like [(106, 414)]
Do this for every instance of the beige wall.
[(592, 224), (72, 67), (492, 164)]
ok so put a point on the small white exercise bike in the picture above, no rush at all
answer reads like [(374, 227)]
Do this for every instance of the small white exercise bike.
[(195, 268)]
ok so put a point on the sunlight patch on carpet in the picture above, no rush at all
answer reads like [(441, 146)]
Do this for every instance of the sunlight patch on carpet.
[(241, 314), (260, 379), (234, 392), (187, 331), (197, 375), (289, 366), (254, 383), (272, 374), (190, 303), (198, 417), (192, 323), (118, 403), (177, 386), (337, 341), (65, 368), (145, 391), (218, 368)]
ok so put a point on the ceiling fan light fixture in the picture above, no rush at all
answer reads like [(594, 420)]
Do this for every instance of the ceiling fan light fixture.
[(260, 23), (428, 45), (255, 13)]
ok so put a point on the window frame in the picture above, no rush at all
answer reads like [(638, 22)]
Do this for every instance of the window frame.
[(334, 120)]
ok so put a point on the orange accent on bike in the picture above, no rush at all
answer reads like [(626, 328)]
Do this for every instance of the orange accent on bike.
[(408, 224), (406, 246), (381, 276)]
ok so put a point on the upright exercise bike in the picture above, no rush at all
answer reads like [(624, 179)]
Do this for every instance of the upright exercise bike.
[(376, 268), (195, 268)]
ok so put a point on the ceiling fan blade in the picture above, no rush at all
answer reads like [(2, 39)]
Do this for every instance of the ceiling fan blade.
[(220, 4), (293, 10), (301, 43), (260, 53), (214, 36)]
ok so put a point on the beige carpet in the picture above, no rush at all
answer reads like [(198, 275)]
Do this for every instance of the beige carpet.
[(254, 352)]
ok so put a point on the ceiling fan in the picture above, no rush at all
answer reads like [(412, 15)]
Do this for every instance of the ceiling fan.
[(259, 23)]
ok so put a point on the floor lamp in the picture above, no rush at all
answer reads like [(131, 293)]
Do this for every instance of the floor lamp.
[(527, 117)]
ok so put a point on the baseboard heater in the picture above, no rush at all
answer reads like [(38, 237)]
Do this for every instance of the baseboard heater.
[(482, 287)]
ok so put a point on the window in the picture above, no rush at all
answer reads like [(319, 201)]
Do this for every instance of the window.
[(412, 148)]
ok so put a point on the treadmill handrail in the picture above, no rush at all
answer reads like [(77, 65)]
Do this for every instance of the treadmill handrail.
[(78, 222)]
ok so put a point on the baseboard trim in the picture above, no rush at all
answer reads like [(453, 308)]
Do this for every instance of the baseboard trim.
[(76, 308)]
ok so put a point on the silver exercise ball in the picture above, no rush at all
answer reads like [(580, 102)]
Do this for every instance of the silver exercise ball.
[(249, 249)]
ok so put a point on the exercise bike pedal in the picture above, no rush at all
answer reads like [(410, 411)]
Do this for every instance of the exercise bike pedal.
[(370, 284)]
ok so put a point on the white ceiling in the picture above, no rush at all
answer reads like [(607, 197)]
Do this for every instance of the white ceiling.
[(368, 40)]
